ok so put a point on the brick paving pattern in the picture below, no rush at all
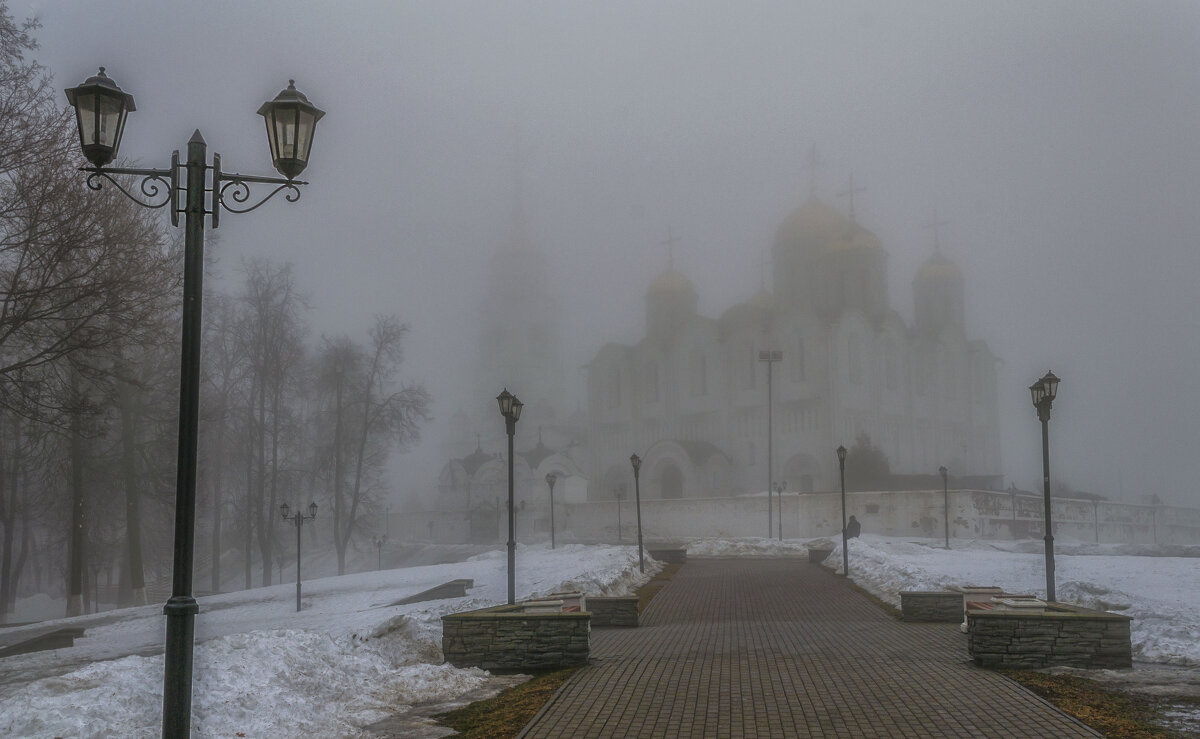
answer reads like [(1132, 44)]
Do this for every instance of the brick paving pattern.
[(782, 648)]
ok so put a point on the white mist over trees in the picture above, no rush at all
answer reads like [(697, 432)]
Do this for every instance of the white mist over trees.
[(90, 285)]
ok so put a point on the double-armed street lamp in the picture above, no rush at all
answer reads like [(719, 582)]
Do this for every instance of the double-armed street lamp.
[(510, 408), (1044, 391), (379, 541), (298, 518), (636, 461), (841, 452), (551, 478), (196, 189), (779, 488), (945, 501)]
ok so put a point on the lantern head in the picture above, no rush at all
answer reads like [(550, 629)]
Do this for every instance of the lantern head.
[(100, 110)]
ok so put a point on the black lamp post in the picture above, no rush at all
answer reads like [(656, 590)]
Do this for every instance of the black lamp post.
[(298, 518), (1044, 391), (510, 408), (101, 108), (379, 542), (619, 494), (841, 452), (551, 478), (779, 496), (636, 461), (945, 501), (770, 356)]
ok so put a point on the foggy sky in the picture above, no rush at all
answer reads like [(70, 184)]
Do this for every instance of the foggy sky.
[(1059, 140)]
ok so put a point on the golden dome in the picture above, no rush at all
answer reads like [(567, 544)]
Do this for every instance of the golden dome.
[(938, 267), (856, 237), (812, 226), (672, 282)]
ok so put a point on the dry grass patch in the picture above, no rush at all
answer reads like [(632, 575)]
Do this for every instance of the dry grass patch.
[(506, 714), (647, 592), (1111, 712)]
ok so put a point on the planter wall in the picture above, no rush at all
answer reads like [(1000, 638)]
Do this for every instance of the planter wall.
[(1063, 635), (621, 611), (931, 605), (505, 639)]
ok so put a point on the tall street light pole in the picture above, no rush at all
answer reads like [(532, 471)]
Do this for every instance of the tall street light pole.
[(379, 541), (945, 501), (298, 518), (841, 452), (101, 108), (779, 488), (770, 357), (551, 478), (636, 461), (1044, 391), (619, 494), (510, 408)]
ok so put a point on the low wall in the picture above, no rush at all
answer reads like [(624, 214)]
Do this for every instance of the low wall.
[(620, 610), (931, 605), (505, 639), (1064, 635)]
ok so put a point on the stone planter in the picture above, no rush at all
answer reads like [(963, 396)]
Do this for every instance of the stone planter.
[(941, 606), (507, 639), (619, 611), (1062, 634), (817, 555)]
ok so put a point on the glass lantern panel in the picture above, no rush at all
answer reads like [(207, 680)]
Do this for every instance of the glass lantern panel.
[(269, 117), (285, 132), (85, 113), (109, 120), (304, 132)]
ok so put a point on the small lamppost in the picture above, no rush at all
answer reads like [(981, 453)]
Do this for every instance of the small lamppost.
[(770, 356), (510, 408), (101, 108), (619, 494), (945, 501), (1044, 391), (841, 452), (779, 488), (379, 541), (636, 461), (551, 478), (298, 518)]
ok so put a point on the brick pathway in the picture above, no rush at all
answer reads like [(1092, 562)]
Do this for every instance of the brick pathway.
[(782, 648)]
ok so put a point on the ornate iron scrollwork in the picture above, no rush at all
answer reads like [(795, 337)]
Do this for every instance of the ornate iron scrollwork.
[(155, 184)]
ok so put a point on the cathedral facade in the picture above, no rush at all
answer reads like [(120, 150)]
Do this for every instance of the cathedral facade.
[(691, 397)]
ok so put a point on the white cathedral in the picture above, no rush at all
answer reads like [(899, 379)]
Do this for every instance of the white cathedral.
[(691, 397)]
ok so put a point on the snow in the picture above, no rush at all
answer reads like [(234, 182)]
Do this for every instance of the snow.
[(347, 660), (350, 659)]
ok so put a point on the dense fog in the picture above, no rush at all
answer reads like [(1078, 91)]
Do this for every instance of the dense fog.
[(1057, 141)]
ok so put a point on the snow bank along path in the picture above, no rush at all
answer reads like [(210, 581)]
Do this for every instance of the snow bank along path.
[(347, 660)]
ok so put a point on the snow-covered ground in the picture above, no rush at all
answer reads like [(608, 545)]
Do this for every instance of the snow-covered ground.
[(347, 660), (350, 659)]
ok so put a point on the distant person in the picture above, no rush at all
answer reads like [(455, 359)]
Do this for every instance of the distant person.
[(853, 529)]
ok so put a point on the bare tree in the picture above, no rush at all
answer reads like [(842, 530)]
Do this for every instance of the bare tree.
[(371, 413)]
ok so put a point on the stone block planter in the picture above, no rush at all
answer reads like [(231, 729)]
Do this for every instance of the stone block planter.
[(619, 611), (1061, 634), (931, 605), (669, 553), (507, 639), (817, 555)]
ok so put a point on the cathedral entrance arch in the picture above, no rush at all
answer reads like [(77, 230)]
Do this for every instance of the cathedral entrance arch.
[(671, 481)]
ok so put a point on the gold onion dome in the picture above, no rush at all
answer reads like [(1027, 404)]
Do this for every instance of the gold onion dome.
[(856, 237), (938, 267), (672, 282), (812, 226)]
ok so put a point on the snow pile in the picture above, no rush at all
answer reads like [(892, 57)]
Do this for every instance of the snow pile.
[(748, 547), (347, 660), (1162, 594)]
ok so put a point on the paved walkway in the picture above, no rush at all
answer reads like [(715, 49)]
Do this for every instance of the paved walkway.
[(782, 648)]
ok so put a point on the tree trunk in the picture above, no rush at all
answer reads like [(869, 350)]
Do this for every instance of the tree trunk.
[(340, 538), (215, 479), (260, 488), (75, 564), (133, 498), (248, 518)]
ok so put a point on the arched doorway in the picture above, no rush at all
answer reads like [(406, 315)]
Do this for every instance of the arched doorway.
[(672, 482)]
